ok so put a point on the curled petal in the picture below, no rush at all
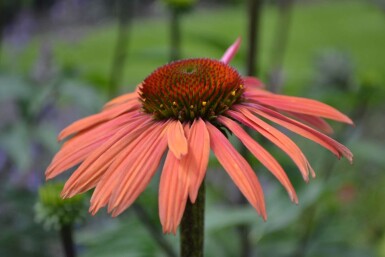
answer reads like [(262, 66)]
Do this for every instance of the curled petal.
[(231, 51), (176, 139), (195, 162), (238, 169)]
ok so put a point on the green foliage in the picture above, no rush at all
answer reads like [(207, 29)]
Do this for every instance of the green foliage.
[(20, 235)]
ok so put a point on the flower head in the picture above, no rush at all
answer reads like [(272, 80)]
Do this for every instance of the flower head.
[(182, 109)]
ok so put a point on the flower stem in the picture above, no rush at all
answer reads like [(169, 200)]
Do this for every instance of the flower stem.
[(67, 240), (192, 226)]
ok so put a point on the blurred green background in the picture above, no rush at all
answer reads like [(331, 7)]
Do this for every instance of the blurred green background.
[(60, 60)]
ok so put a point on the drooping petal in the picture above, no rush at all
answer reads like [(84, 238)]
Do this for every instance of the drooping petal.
[(231, 51), (173, 193), (177, 142), (313, 121), (195, 162), (96, 119), (141, 167), (79, 147), (275, 136), (111, 177), (261, 154), (302, 105), (94, 167), (305, 131), (238, 169)]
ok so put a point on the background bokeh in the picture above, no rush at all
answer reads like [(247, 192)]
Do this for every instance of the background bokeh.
[(61, 59)]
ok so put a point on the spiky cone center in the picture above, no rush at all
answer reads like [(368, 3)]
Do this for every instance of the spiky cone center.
[(188, 89)]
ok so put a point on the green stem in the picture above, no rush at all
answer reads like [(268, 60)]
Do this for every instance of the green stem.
[(192, 226)]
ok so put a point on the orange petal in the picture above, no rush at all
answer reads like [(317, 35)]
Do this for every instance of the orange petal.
[(177, 142), (238, 169), (62, 163), (195, 162), (121, 99), (96, 119), (111, 177), (313, 121), (173, 192), (302, 105), (79, 147), (261, 154), (95, 165), (305, 131), (276, 137), (141, 166)]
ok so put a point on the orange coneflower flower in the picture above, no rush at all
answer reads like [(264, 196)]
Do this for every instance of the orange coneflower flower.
[(184, 109)]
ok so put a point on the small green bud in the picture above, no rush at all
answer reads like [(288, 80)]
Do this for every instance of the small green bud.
[(54, 212)]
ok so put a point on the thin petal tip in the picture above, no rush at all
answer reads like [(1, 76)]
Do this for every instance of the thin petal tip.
[(293, 197), (264, 216), (231, 51)]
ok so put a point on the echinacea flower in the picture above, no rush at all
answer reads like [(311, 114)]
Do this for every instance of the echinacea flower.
[(183, 109)]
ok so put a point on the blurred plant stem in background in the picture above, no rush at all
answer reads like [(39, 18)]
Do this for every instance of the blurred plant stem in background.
[(146, 220), (175, 35), (1, 40), (125, 11), (177, 8), (279, 44), (254, 11), (66, 233)]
